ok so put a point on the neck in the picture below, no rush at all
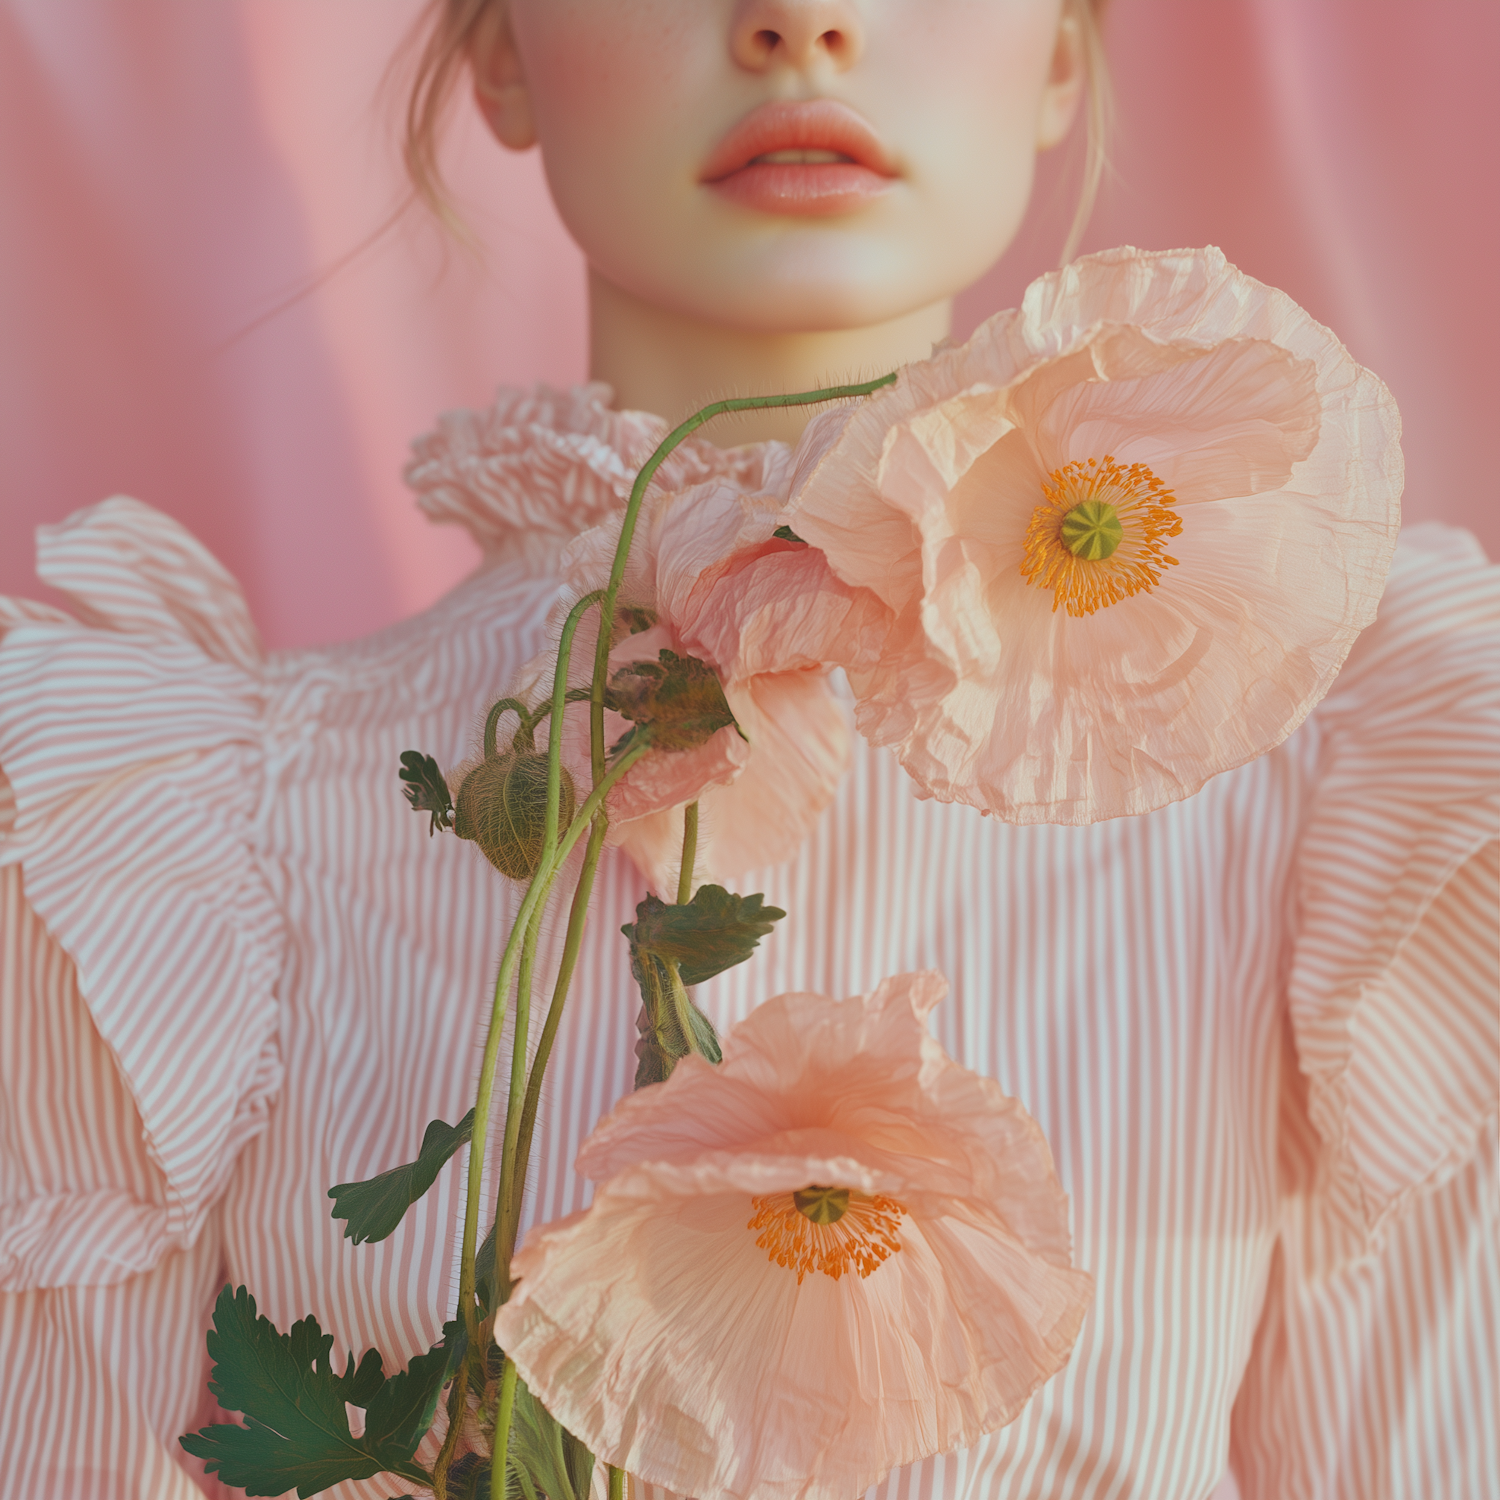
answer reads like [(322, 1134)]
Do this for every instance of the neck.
[(663, 362)]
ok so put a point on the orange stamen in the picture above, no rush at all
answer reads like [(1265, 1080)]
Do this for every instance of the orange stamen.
[(860, 1239), (1142, 503)]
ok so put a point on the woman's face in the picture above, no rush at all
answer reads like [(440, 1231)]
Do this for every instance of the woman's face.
[(784, 165)]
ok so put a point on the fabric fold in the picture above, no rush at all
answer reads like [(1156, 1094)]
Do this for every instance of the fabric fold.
[(131, 738), (542, 465), (1393, 988)]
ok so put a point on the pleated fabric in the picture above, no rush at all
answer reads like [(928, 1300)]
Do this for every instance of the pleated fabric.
[(1258, 1027)]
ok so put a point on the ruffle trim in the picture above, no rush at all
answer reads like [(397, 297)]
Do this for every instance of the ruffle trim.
[(1394, 989), (132, 744), (542, 465)]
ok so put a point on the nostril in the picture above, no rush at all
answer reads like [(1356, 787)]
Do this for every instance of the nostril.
[(767, 42)]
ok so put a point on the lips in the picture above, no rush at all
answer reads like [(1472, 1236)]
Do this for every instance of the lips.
[(815, 157)]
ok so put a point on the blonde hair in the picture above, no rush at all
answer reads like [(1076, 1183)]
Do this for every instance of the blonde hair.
[(444, 34)]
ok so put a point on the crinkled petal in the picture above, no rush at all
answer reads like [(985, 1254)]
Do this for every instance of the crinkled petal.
[(1285, 461), (785, 773), (658, 1330)]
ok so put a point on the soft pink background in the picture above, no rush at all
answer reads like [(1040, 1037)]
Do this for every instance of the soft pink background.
[(174, 171)]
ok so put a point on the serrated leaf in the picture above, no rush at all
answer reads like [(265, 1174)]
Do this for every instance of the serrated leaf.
[(398, 1415), (375, 1207), (715, 931), (425, 789), (679, 698), (296, 1433)]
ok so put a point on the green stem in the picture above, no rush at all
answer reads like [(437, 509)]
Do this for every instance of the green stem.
[(536, 893), (559, 703), (633, 510), (532, 905), (689, 853), (458, 1395), (512, 1182), (503, 1416), (616, 1483), (577, 918), (512, 1170), (492, 722)]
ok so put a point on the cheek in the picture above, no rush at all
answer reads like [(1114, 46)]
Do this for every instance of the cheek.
[(975, 71), (600, 74)]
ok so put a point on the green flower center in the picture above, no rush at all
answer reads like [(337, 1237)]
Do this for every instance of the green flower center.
[(822, 1205), (1092, 530)]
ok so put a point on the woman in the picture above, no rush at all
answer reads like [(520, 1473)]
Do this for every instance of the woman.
[(1251, 1025)]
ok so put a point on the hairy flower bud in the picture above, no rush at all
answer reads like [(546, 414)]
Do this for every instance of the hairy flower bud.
[(502, 806)]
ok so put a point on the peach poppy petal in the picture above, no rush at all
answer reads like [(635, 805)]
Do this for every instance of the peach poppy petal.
[(779, 608), (1283, 469), (655, 1327), (1229, 421), (783, 778), (686, 541)]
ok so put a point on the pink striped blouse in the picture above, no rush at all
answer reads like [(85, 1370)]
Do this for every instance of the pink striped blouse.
[(1258, 1027)]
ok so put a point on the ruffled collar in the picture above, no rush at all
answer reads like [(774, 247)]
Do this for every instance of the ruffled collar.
[(542, 465)]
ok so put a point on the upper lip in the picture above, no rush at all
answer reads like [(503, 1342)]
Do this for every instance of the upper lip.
[(807, 125)]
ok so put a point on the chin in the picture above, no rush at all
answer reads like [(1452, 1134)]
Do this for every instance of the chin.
[(790, 296)]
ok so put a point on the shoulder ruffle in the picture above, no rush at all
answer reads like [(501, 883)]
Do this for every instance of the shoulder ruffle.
[(1394, 990), (131, 742), (543, 465)]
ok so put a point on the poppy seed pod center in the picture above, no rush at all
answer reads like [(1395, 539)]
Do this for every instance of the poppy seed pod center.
[(1092, 530), (822, 1205), (829, 1229), (1098, 535)]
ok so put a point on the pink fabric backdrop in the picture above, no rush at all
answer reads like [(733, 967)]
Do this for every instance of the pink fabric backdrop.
[(174, 171)]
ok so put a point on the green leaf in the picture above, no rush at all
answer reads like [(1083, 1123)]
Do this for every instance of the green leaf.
[(543, 1457), (484, 1271), (663, 1040), (469, 1477), (296, 1432), (425, 789), (398, 1415), (675, 946), (786, 534), (374, 1208), (713, 932), (678, 698)]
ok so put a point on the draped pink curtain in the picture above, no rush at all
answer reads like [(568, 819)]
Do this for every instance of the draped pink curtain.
[(195, 306)]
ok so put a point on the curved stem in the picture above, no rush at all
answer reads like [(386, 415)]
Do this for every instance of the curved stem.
[(559, 702), (689, 853), (535, 894), (633, 510), (512, 1171), (492, 722)]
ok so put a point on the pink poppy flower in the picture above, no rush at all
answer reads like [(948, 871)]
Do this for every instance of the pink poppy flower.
[(760, 787), (1125, 536), (836, 1253)]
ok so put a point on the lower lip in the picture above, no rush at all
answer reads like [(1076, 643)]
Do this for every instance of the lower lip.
[(810, 189)]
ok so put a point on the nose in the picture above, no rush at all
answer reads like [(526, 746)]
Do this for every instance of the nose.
[(798, 34)]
